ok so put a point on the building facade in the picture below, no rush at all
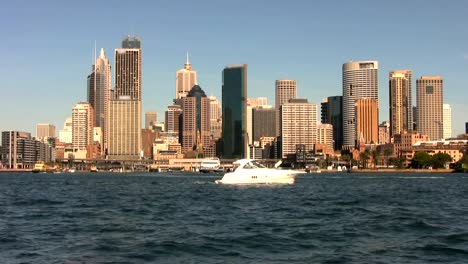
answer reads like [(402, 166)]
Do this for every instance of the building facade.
[(82, 128), (332, 113), (20, 150), (263, 122), (447, 121), (151, 118), (186, 78), (234, 95), (298, 125), (400, 96), (367, 120), (284, 90), (45, 131), (360, 80), (325, 135), (216, 121), (429, 97), (384, 132)]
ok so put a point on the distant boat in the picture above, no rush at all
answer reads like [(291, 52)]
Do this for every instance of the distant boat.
[(93, 169), (39, 167), (249, 171), (211, 165)]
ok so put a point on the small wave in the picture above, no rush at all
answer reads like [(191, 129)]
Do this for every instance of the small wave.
[(34, 202), (444, 249)]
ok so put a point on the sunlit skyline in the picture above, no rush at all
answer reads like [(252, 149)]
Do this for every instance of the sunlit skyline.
[(48, 47)]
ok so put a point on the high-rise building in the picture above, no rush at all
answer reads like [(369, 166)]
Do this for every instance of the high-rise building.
[(20, 150), (124, 124), (415, 118), (384, 132), (401, 107), (234, 94), (186, 78), (284, 90), (332, 113), (263, 122), (216, 121), (66, 134), (172, 119), (99, 86), (360, 80), (429, 97), (151, 118), (45, 130), (447, 121), (367, 120), (325, 135), (82, 128), (124, 128), (196, 121), (298, 125)]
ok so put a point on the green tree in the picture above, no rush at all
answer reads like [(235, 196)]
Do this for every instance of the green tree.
[(387, 153), (363, 157), (375, 157), (421, 160), (440, 159)]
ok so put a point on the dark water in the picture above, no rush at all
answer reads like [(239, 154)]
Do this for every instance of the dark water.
[(185, 218)]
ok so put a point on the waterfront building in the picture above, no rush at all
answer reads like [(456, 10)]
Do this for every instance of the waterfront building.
[(82, 128), (406, 140), (151, 118), (447, 121), (45, 131), (384, 133), (66, 134), (298, 125), (401, 107), (99, 86), (360, 80), (196, 122), (234, 94), (124, 128), (20, 150), (263, 122), (325, 135), (429, 97), (284, 91), (186, 78), (216, 121), (148, 137), (367, 120), (332, 113)]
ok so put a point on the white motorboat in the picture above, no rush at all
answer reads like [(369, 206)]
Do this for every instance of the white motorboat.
[(210, 165), (249, 171)]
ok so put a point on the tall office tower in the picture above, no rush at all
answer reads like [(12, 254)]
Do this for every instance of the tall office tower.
[(151, 119), (124, 128), (263, 122), (66, 134), (298, 125), (429, 97), (284, 90), (186, 78), (99, 85), (447, 121), (234, 94), (82, 128), (332, 113), (401, 107), (216, 121), (325, 135), (124, 124), (360, 80), (45, 130), (172, 119), (367, 120), (196, 121)]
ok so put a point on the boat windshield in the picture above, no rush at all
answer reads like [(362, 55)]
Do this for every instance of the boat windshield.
[(253, 165)]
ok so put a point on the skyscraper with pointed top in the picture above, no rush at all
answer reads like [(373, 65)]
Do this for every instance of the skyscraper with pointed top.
[(99, 85), (186, 78)]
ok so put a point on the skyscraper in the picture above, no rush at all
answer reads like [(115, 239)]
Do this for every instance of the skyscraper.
[(216, 121), (429, 97), (234, 95), (124, 124), (447, 121), (401, 107), (66, 134), (298, 125), (172, 117), (82, 128), (263, 122), (367, 120), (99, 85), (196, 121), (284, 90), (186, 78), (45, 130), (150, 119), (360, 80), (332, 113)]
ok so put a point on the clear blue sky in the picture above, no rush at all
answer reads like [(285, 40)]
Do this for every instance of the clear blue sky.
[(46, 48)]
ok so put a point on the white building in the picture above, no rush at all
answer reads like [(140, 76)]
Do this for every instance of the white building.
[(284, 90), (325, 135), (66, 134), (186, 78), (216, 121), (447, 121), (82, 128)]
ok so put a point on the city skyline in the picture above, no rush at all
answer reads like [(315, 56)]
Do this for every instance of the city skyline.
[(316, 66)]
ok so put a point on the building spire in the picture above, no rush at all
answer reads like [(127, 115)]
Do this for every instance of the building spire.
[(102, 55), (188, 66)]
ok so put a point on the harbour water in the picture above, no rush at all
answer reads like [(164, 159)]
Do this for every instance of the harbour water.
[(186, 218)]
